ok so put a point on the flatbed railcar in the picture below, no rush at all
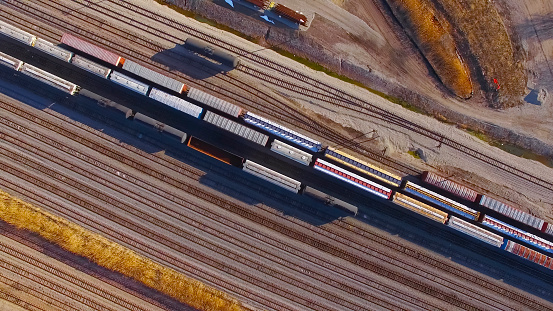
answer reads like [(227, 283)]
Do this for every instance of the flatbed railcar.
[(282, 132), (236, 128), (329, 200), (475, 231), (17, 34), (161, 127), (129, 82), (440, 200), (449, 186), (156, 77), (176, 102), (529, 254), (351, 178), (52, 49), (50, 79), (214, 102), (420, 208), (91, 49), (272, 176), (215, 152), (10, 61), (291, 152), (202, 48), (91, 66), (362, 166), (513, 213), (517, 233)]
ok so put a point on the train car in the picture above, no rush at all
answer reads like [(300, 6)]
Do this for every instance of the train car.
[(10, 61), (272, 176), (54, 50), (214, 102), (50, 79), (513, 213), (262, 4), (329, 200), (291, 152), (176, 102), (449, 186), (475, 231), (529, 254), (549, 229), (91, 66), (362, 166), (282, 132), (420, 208), (517, 233), (156, 77), (351, 178), (446, 203), (202, 48), (215, 152), (289, 14), (105, 102), (129, 83), (16, 33), (91, 49), (161, 127), (236, 128)]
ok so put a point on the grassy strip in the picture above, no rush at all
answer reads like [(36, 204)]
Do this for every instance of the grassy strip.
[(113, 256)]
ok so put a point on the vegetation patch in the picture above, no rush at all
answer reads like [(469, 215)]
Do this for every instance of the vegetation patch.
[(414, 154), (113, 256)]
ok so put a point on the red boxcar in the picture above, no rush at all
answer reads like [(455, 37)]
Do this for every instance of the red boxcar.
[(450, 186), (91, 49), (290, 14), (260, 3)]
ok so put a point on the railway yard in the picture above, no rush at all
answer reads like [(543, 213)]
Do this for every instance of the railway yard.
[(267, 246)]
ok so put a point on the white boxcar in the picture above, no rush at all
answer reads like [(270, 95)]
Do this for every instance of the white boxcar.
[(16, 33), (236, 128), (50, 79), (91, 66), (475, 231), (272, 176), (176, 102), (291, 152), (154, 76), (161, 127), (214, 102), (549, 229), (512, 212), (129, 83), (54, 50), (9, 61)]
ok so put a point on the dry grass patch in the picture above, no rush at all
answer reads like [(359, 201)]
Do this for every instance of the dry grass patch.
[(113, 256)]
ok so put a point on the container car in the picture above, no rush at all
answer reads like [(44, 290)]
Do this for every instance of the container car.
[(329, 200), (54, 50), (91, 66), (176, 102), (214, 102), (91, 49), (291, 152), (161, 127), (420, 208), (529, 254), (215, 152), (440, 200), (362, 166), (50, 79), (517, 233), (513, 213), (202, 48), (156, 77), (272, 176), (129, 82), (450, 186), (282, 132), (10, 61), (475, 231), (351, 178), (236, 128), (289, 14), (16, 33)]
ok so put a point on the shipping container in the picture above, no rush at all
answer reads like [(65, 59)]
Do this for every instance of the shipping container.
[(129, 83), (90, 66), (215, 152), (236, 128), (214, 102), (16, 33), (420, 208), (202, 48), (176, 102), (329, 200), (441, 201), (161, 127), (513, 213), (282, 132), (351, 178), (54, 50), (529, 254), (450, 186), (91, 49), (291, 152), (50, 79), (286, 12), (517, 233), (10, 61), (272, 176), (475, 231), (156, 77), (362, 166)]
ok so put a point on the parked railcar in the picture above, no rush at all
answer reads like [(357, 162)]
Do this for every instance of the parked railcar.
[(236, 128), (351, 178), (214, 102), (329, 200), (215, 152), (283, 132), (475, 231), (440, 200), (286, 12), (161, 127), (517, 233), (291, 152), (175, 102), (362, 166), (154, 76), (105, 102), (262, 4), (91, 66), (129, 83), (52, 49), (420, 208), (16, 33), (272, 176), (450, 186), (513, 213), (549, 229), (202, 48), (50, 79), (10, 61), (529, 254), (91, 49)]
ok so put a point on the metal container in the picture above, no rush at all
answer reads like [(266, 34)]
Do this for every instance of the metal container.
[(214, 102), (475, 231), (291, 152), (517, 233), (50, 79), (513, 213), (16, 33), (420, 208), (129, 83), (203, 48), (9, 61), (271, 176), (176, 102), (154, 76), (236, 128), (549, 229), (91, 49), (54, 50), (161, 127), (529, 254), (90, 66), (286, 12), (329, 200), (450, 186)]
